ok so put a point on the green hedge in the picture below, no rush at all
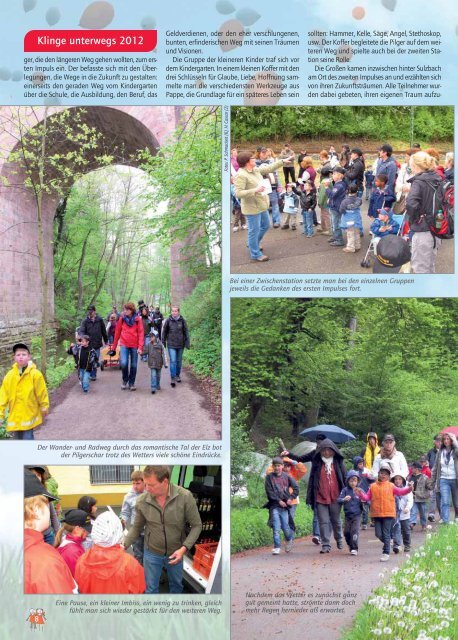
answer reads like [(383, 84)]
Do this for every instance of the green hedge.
[(249, 527)]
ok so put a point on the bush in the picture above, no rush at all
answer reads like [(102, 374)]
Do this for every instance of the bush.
[(249, 527), (202, 310)]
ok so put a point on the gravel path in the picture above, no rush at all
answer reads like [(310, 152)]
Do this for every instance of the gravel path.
[(108, 413)]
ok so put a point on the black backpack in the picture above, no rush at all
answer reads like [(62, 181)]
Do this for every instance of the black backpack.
[(441, 217)]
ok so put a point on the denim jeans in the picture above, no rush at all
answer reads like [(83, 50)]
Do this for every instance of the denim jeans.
[(85, 377), (176, 357), (146, 341), (280, 522), (155, 379), (276, 215), (153, 564), (337, 231), (22, 435), (434, 501), (419, 507), (383, 528), (94, 368), (307, 218), (258, 224), (448, 489), (129, 374), (139, 548)]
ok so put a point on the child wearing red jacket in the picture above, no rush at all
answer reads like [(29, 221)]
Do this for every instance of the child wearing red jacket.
[(383, 505), (76, 526)]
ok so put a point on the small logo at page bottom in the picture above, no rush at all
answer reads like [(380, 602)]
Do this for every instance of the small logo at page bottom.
[(36, 618)]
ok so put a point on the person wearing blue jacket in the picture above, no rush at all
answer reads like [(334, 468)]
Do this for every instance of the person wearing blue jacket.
[(352, 510), (380, 197), (384, 225), (350, 211), (388, 167), (335, 196)]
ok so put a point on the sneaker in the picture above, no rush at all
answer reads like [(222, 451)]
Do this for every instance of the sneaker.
[(275, 551), (276, 225), (285, 226), (340, 544), (234, 229), (316, 540), (354, 552), (124, 386), (85, 390), (336, 244), (384, 557), (260, 259), (331, 239), (133, 388), (347, 250), (293, 227), (172, 382), (395, 549), (288, 546), (325, 551), (364, 527), (431, 518), (153, 390), (406, 549), (178, 379)]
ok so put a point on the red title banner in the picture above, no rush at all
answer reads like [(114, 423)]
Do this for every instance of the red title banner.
[(100, 40)]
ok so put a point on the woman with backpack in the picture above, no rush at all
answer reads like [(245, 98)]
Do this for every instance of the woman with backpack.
[(420, 204)]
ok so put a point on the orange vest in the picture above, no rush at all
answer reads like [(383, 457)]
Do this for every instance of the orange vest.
[(382, 501)]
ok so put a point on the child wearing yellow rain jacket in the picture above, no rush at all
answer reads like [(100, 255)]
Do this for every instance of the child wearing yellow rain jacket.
[(24, 394)]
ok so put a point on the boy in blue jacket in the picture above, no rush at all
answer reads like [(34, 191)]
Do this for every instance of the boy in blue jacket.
[(380, 196), (336, 194), (352, 510), (384, 225)]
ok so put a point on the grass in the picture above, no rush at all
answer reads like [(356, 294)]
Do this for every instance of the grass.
[(420, 600)]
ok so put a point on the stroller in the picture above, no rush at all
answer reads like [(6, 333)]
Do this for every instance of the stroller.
[(403, 231)]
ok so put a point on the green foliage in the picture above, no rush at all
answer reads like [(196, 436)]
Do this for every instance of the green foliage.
[(249, 527), (241, 450), (420, 599), (202, 310), (186, 176), (363, 364), (286, 123)]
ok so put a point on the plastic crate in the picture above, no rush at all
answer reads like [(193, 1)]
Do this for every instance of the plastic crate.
[(203, 558)]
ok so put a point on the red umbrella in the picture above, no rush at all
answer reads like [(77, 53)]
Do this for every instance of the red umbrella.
[(453, 430)]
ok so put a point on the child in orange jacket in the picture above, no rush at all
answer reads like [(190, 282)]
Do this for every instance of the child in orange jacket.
[(383, 506)]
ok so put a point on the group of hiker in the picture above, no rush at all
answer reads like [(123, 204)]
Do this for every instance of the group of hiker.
[(381, 491)]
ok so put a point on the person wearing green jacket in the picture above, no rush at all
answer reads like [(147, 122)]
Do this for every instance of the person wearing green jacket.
[(251, 190), (163, 511)]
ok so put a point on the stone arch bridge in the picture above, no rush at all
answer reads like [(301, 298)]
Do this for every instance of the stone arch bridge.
[(130, 128)]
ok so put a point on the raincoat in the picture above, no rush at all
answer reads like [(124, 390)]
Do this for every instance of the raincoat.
[(25, 396), (109, 570), (44, 569), (368, 454)]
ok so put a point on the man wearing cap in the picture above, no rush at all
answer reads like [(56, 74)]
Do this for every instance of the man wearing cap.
[(164, 511), (387, 165), (94, 327), (44, 569), (24, 394), (393, 255), (389, 453)]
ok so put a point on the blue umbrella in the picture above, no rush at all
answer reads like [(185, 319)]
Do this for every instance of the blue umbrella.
[(331, 431)]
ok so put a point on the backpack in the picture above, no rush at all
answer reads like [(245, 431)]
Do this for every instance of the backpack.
[(441, 218)]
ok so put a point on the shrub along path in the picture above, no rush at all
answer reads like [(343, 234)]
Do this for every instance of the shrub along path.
[(304, 571), (108, 413)]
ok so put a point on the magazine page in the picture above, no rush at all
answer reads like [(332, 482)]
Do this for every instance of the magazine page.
[(171, 178)]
